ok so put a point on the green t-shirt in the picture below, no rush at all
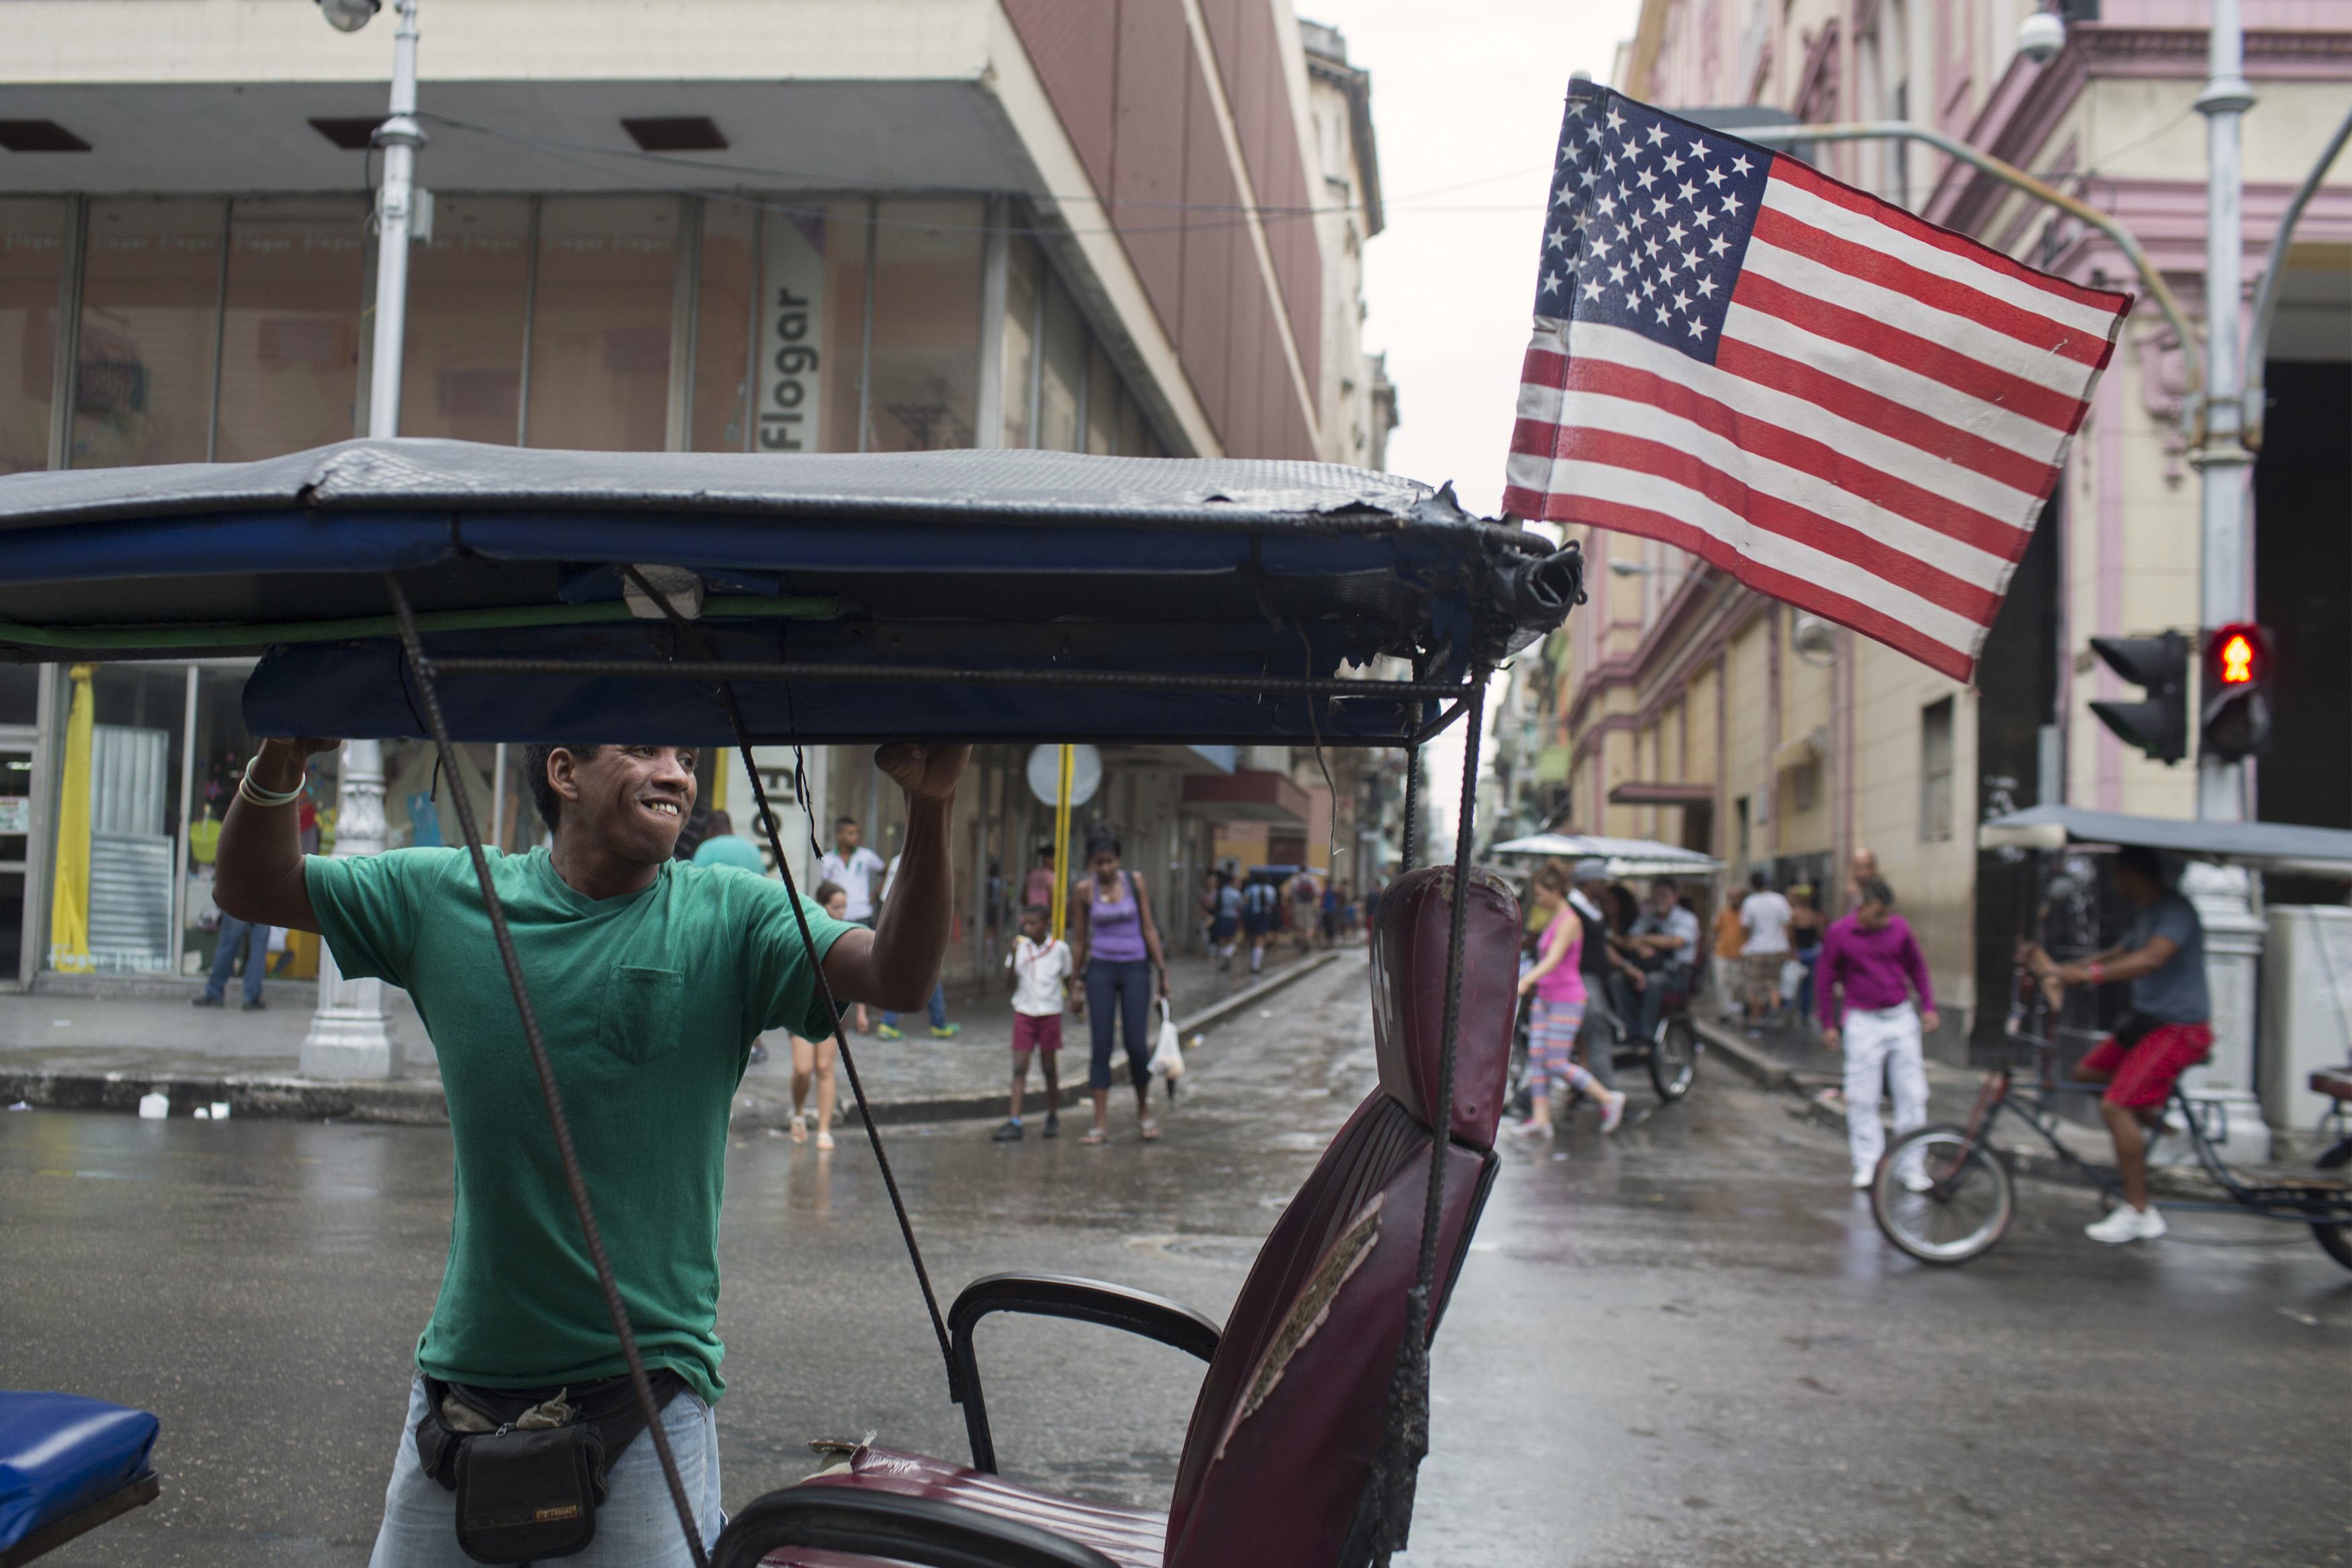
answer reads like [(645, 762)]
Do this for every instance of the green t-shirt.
[(648, 1004)]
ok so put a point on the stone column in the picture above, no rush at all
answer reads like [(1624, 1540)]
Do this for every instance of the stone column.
[(2233, 950), (351, 1035)]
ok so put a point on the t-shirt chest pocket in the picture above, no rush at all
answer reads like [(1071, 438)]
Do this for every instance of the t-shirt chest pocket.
[(639, 1022)]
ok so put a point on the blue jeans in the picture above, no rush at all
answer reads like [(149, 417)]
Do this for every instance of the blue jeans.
[(938, 1005), (236, 933), (1127, 982), (636, 1527)]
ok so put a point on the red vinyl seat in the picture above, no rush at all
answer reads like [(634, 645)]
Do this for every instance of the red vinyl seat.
[(1288, 1423)]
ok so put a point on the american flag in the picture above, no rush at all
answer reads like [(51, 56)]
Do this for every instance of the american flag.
[(1835, 402)]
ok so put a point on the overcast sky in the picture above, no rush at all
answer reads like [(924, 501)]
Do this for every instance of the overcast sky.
[(1468, 91)]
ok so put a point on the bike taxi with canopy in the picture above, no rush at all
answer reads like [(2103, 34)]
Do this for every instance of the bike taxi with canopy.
[(456, 593)]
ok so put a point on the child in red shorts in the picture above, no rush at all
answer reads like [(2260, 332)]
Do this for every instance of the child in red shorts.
[(1041, 966)]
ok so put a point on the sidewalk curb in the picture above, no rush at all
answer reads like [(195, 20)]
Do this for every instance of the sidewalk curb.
[(420, 1102), (753, 1113)]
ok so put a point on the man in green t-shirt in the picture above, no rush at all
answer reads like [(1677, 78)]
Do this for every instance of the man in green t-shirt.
[(651, 978)]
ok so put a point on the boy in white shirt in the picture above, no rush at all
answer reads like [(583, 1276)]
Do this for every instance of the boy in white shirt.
[(1041, 967)]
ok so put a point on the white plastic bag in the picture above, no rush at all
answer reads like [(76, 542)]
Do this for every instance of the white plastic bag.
[(1792, 979), (1168, 1056)]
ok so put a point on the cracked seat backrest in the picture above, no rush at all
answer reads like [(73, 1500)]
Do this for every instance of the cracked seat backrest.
[(1289, 1417)]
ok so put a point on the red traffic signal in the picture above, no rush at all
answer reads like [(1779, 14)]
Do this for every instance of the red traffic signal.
[(2236, 699)]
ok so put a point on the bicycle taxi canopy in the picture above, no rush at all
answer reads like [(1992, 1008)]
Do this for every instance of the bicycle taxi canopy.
[(2260, 846), (464, 593), (1633, 858)]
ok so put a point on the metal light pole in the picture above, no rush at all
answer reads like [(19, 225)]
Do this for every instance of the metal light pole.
[(350, 1033), (2222, 460), (400, 136)]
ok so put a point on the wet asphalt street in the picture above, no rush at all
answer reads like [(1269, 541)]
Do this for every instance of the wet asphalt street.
[(1686, 1344)]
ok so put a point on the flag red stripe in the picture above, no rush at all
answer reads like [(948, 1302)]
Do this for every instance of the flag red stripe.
[(1970, 251), (1766, 511), (1963, 374), (1778, 228), (1994, 536), (1929, 433), (1941, 658)]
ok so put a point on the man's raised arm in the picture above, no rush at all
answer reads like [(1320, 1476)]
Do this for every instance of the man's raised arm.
[(257, 868), (896, 965)]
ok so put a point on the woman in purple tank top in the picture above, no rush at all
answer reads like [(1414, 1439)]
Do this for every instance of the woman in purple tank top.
[(1114, 944)]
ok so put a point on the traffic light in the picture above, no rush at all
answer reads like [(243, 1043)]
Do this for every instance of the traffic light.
[(2158, 725), (2236, 720)]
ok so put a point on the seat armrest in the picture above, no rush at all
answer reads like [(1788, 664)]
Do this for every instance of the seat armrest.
[(892, 1528), (1059, 1296)]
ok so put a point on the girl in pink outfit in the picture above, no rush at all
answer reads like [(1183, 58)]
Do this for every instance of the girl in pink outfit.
[(1558, 991)]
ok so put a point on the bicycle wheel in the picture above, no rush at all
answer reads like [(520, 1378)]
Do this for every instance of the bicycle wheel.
[(1962, 1203), (1673, 1059), (2335, 1240)]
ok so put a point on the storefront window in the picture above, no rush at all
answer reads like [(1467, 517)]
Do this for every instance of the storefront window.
[(600, 335), (290, 334), (723, 328), (462, 369), (925, 371), (1063, 383), (1024, 283), (150, 303), (32, 266)]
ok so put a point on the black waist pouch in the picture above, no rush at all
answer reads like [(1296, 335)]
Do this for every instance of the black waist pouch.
[(525, 1496)]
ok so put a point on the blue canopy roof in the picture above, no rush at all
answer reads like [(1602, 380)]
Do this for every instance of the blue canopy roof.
[(857, 596)]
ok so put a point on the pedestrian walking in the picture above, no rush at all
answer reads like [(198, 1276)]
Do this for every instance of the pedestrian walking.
[(1598, 962), (650, 976), (1042, 965), (1261, 901), (238, 936), (1331, 913), (1868, 960), (813, 1059), (936, 1004), (1729, 975), (1806, 924), (1039, 887), (2168, 1030), (1861, 871), (1225, 921), (1556, 984), (1764, 947), (1306, 909), (850, 866), (1115, 945)]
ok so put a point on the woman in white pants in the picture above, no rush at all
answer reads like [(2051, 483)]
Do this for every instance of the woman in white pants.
[(1869, 967)]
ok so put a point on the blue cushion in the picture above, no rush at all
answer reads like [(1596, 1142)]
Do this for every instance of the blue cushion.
[(60, 1453)]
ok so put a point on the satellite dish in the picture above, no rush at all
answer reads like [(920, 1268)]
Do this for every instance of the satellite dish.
[(1814, 639), (1046, 773)]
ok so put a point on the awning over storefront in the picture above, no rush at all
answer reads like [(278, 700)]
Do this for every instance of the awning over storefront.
[(1635, 792), (1251, 795)]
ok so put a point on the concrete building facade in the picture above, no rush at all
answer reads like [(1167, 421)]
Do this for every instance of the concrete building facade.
[(1680, 705), (722, 225)]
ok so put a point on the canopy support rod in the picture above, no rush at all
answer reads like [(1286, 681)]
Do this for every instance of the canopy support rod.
[(1405, 1441), (933, 674), (1411, 808), (688, 630), (413, 648)]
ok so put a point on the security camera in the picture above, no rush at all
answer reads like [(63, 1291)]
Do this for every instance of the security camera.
[(348, 15), (2041, 36)]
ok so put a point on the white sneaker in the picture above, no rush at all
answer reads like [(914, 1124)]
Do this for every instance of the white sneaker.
[(1918, 1181), (2126, 1224), (1862, 1179)]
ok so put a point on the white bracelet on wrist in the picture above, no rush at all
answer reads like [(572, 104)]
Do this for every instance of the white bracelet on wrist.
[(261, 795)]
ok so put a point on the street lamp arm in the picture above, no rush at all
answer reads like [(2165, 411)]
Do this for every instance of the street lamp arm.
[(2266, 297), (2010, 174)]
